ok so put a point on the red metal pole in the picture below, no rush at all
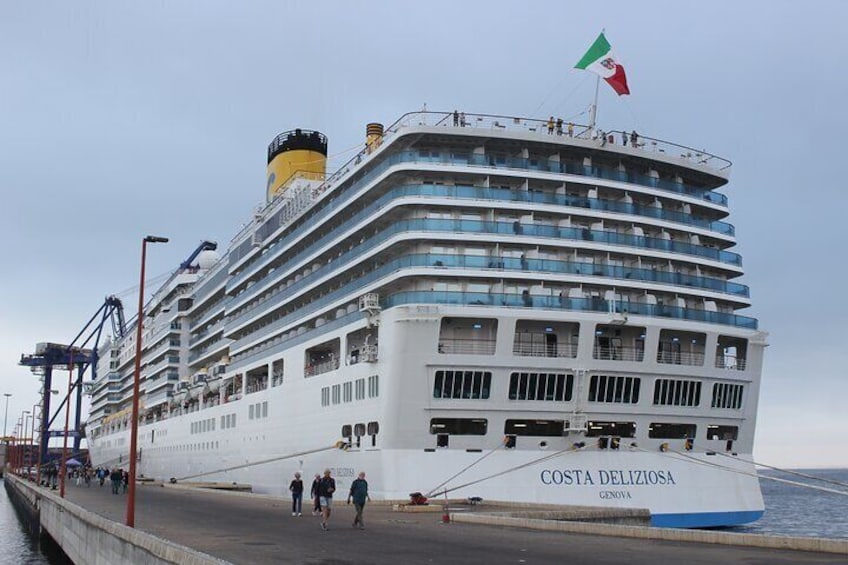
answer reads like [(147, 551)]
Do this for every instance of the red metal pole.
[(136, 378), (67, 419)]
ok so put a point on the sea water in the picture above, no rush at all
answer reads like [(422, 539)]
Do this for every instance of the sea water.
[(793, 510)]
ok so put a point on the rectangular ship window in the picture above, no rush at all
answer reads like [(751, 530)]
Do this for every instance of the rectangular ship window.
[(674, 392), (459, 426), (726, 395), (546, 428), (723, 432), (462, 384), (373, 386), (621, 429), (614, 389), (671, 431), (541, 386)]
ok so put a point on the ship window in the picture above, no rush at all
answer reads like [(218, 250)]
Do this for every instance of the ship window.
[(462, 384), (347, 391), (325, 396), (723, 432), (541, 386), (337, 394), (620, 390), (546, 428), (347, 431), (250, 412), (373, 386), (459, 426), (373, 428), (360, 389), (726, 395), (671, 431), (620, 429), (672, 392), (265, 409)]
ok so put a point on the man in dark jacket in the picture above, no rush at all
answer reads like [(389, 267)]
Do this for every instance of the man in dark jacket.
[(359, 494), (325, 493)]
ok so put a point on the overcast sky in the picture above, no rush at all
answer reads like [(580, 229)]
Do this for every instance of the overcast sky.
[(119, 119)]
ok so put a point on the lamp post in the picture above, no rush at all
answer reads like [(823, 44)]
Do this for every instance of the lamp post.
[(17, 435), (136, 378), (26, 457), (6, 415), (32, 440)]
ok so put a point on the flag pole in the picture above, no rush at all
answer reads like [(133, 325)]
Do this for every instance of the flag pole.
[(593, 114)]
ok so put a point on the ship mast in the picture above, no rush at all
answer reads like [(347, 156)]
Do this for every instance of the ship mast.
[(593, 111)]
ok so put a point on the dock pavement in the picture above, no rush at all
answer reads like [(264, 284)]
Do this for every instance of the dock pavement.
[(247, 529)]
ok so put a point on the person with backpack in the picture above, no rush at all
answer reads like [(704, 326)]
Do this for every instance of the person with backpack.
[(359, 494)]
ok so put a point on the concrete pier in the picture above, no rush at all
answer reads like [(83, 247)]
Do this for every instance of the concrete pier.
[(246, 528)]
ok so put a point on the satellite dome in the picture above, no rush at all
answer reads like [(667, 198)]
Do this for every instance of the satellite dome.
[(207, 259)]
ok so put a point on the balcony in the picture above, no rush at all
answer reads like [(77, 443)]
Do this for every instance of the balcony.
[(321, 367), (732, 363), (618, 353), (680, 358), (545, 350), (467, 346)]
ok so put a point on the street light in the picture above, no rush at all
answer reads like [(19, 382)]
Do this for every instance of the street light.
[(32, 437), (6, 416), (136, 378), (25, 416)]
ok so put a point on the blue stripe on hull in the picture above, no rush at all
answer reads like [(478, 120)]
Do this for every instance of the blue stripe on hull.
[(705, 519)]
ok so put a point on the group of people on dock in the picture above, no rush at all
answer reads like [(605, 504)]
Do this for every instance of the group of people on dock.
[(322, 492)]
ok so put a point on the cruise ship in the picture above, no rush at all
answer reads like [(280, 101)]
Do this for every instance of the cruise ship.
[(472, 306)]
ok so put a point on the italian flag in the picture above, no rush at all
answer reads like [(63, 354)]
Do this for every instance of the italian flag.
[(600, 60)]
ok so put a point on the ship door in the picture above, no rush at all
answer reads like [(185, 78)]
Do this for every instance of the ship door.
[(551, 344)]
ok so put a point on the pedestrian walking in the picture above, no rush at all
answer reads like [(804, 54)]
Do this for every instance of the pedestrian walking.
[(296, 488), (559, 126), (125, 480), (316, 500), (326, 488), (551, 125), (359, 494), (624, 138), (634, 138), (455, 118), (570, 129), (462, 122), (115, 477)]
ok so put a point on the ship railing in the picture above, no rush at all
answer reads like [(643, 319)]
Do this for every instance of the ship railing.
[(545, 350), (730, 362), (314, 369), (680, 358), (467, 346), (257, 386), (549, 127), (478, 160), (618, 353), (242, 314)]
